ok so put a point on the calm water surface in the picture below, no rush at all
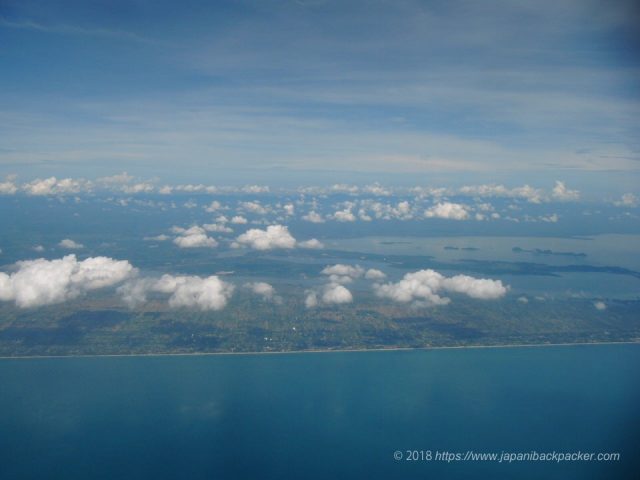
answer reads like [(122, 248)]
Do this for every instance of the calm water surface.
[(324, 415)]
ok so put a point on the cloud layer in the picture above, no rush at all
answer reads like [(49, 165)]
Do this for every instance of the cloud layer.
[(203, 293), (45, 282), (274, 236), (425, 286)]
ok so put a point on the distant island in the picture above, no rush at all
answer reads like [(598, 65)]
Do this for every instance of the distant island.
[(538, 251)]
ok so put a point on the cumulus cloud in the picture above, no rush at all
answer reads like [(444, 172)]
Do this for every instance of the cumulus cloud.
[(313, 217), (263, 289), (70, 244), (374, 274), (194, 237), (45, 282), (255, 189), (600, 306), (553, 218), (344, 188), (383, 211), (8, 187), (214, 206), (424, 287), (197, 188), (142, 187), (157, 238), (334, 293), (448, 210), (289, 209), (208, 293), (312, 243), (627, 200), (526, 192), (311, 300), (345, 215), (254, 207), (239, 220), (562, 193), (217, 227), (340, 274), (330, 294), (275, 236), (53, 186), (118, 179), (377, 189)]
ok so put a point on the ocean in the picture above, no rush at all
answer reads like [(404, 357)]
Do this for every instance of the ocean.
[(371, 415)]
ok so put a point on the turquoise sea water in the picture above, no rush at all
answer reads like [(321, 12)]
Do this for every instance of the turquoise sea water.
[(320, 415)]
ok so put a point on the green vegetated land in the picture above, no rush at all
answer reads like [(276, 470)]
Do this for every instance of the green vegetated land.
[(102, 324)]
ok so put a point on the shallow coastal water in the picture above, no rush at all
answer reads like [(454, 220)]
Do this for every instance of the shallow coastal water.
[(320, 415)]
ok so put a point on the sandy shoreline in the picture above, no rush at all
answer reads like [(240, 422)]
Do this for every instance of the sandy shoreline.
[(296, 352)]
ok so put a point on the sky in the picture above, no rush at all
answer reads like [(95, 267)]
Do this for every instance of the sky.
[(312, 90)]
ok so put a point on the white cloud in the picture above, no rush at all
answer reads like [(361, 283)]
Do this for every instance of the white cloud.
[(8, 187), (117, 179), (312, 243), (239, 220), (263, 289), (377, 189), (198, 188), (158, 238), (402, 211), (204, 293), (526, 192), (344, 188), (313, 217), (45, 282), (330, 294), (254, 207), (208, 293), (311, 300), (53, 186), (374, 274), (255, 189), (194, 237), (553, 218), (216, 227), (344, 215), (275, 236), (289, 209), (600, 306), (627, 200), (334, 293), (38, 248), (142, 187), (448, 210), (70, 244), (342, 270), (424, 287), (562, 193), (523, 299), (214, 206)]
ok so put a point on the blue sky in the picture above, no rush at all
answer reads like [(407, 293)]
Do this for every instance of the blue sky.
[(248, 91)]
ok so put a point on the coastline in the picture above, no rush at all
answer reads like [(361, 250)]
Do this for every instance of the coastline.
[(320, 351)]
